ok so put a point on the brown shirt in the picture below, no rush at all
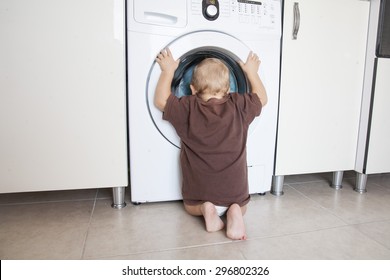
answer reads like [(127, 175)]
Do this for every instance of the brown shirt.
[(213, 146)]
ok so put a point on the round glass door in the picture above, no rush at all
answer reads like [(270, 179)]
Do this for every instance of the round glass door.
[(191, 49)]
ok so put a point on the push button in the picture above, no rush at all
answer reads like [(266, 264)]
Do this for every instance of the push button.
[(211, 11)]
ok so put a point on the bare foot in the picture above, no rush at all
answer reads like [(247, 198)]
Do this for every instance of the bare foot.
[(235, 223), (213, 221)]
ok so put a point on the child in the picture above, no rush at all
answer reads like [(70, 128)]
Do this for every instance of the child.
[(212, 125)]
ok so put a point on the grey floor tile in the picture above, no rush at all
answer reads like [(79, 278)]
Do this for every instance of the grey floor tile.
[(382, 180), (379, 231), (343, 243), (44, 230), (316, 177), (106, 193), (350, 206), (291, 179), (291, 213), (144, 228)]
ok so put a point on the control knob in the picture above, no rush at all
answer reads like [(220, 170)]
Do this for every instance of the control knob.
[(210, 9)]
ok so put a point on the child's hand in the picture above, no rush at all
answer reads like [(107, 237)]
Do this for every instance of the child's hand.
[(163, 88), (251, 68), (166, 61), (251, 65)]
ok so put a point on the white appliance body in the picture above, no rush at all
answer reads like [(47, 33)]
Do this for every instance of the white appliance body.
[(241, 26)]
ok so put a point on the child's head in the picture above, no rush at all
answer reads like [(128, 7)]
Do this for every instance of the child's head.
[(211, 76)]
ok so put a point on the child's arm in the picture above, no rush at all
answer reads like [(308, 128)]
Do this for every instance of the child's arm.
[(251, 67), (168, 67)]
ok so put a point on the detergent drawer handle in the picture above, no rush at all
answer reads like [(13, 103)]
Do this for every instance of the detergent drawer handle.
[(297, 20), (160, 18)]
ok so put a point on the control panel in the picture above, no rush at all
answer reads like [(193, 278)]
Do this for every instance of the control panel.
[(246, 18), (250, 13)]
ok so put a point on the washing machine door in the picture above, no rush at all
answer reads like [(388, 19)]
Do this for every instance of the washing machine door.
[(191, 49)]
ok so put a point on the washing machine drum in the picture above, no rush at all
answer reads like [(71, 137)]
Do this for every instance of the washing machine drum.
[(183, 75), (191, 49)]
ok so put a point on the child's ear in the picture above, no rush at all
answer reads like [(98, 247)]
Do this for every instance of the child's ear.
[(193, 91)]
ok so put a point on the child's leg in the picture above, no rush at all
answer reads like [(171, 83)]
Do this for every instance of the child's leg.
[(235, 222), (208, 211)]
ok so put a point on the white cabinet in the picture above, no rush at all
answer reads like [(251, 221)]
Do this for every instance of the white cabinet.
[(373, 154), (378, 153), (321, 85), (62, 95)]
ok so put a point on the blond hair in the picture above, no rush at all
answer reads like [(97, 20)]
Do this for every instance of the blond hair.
[(211, 76)]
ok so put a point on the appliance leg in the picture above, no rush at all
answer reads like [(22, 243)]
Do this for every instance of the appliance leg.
[(277, 188), (361, 182), (337, 180), (118, 194)]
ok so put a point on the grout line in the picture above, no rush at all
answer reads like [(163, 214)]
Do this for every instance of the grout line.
[(89, 225), (369, 237), (168, 249), (320, 205), (282, 235), (224, 243)]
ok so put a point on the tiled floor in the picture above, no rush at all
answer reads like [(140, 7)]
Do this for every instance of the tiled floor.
[(310, 221)]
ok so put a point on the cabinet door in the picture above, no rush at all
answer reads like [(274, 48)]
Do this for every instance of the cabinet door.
[(62, 95), (321, 85), (378, 157)]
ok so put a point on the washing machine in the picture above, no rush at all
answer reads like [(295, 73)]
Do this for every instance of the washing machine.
[(194, 30)]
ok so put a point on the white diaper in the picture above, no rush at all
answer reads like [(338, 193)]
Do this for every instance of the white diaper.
[(221, 210)]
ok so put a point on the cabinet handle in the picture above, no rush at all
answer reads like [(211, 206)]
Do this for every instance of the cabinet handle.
[(297, 20)]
